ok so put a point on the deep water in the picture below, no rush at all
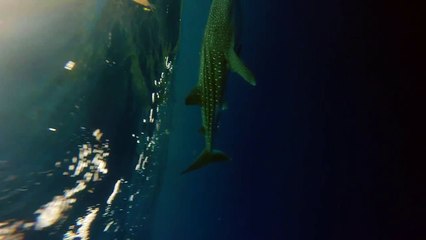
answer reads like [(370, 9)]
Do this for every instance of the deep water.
[(325, 146)]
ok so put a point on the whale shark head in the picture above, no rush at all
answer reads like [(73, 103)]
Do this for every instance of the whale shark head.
[(145, 3)]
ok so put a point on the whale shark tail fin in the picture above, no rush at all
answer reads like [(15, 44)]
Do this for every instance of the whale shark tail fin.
[(205, 158)]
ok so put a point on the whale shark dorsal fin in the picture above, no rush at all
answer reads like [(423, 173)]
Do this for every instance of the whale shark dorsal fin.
[(236, 65), (194, 98)]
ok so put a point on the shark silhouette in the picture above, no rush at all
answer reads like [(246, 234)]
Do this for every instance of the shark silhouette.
[(218, 56)]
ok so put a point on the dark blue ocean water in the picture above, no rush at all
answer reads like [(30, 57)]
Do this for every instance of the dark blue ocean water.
[(324, 147), (321, 148)]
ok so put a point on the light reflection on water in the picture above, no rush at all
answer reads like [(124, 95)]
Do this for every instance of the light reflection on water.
[(88, 166), (56, 173)]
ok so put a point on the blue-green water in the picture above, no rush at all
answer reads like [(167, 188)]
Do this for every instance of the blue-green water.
[(82, 145), (94, 131)]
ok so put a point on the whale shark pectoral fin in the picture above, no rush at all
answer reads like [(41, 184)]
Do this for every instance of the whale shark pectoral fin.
[(205, 158), (194, 98), (225, 106), (202, 130), (236, 65)]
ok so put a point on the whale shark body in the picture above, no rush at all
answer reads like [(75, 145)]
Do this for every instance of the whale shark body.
[(218, 56)]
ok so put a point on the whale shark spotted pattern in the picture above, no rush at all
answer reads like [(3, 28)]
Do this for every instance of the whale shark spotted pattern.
[(217, 57)]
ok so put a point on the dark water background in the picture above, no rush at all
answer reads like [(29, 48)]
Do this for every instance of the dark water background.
[(326, 146)]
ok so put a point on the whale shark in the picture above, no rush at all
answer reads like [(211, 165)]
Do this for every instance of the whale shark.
[(148, 6), (218, 56)]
